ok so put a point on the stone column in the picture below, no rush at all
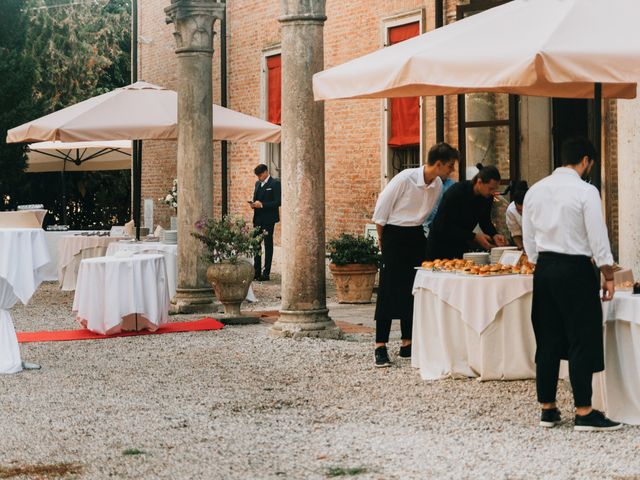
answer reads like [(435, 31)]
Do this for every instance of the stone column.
[(304, 310), (193, 21), (629, 184)]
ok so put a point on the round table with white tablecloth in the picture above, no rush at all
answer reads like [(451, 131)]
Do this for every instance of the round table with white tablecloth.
[(72, 249), (170, 253), (23, 254), (472, 326), (128, 293)]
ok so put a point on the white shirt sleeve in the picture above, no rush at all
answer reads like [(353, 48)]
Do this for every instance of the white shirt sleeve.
[(597, 235), (513, 222), (528, 235), (386, 201)]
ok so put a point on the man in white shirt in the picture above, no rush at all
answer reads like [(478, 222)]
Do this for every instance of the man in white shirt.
[(563, 231), (400, 211)]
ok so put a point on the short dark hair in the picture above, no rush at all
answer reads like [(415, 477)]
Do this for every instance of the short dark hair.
[(260, 169), (443, 152), (518, 191), (574, 149), (486, 174)]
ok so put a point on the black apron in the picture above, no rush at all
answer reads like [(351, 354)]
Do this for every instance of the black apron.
[(566, 311), (403, 249)]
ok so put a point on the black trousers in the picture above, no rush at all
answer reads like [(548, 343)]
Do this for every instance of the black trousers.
[(567, 322), (403, 249), (268, 251)]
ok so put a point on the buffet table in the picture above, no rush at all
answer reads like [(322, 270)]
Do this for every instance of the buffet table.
[(470, 326), (72, 249), (621, 379), (23, 254), (116, 294)]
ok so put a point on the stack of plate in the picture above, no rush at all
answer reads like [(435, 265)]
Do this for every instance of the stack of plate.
[(480, 258), (497, 252), (170, 237)]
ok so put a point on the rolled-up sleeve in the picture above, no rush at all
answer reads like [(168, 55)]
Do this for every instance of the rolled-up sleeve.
[(529, 234), (596, 229), (386, 201)]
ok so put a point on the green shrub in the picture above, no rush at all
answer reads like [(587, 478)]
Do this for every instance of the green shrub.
[(227, 239), (349, 249)]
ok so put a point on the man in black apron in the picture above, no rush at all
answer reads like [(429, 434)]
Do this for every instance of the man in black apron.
[(564, 234), (400, 211)]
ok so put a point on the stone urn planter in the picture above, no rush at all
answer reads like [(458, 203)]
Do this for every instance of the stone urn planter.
[(354, 282), (231, 282)]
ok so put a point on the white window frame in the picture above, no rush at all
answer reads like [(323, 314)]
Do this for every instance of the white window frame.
[(270, 153), (386, 169)]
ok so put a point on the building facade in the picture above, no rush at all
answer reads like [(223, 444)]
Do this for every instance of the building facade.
[(367, 141)]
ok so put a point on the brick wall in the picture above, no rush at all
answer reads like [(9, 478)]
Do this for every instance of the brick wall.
[(353, 129)]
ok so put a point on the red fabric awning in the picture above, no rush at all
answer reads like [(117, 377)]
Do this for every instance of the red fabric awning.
[(274, 85), (405, 112)]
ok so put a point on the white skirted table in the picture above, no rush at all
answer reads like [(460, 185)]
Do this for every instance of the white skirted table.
[(170, 253), (115, 294), (621, 379), (23, 254), (72, 249), (471, 326)]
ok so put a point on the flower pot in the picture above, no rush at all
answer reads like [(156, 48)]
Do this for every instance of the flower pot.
[(231, 283), (354, 283)]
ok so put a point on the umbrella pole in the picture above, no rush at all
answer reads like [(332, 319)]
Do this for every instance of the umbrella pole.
[(596, 132), (137, 184)]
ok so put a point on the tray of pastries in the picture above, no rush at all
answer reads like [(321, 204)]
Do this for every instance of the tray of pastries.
[(469, 267)]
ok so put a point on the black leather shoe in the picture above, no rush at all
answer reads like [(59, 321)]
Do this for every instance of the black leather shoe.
[(595, 421), (550, 417), (257, 276), (264, 278), (382, 357), (405, 351)]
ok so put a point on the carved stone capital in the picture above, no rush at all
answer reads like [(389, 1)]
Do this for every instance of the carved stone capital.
[(193, 20), (303, 11)]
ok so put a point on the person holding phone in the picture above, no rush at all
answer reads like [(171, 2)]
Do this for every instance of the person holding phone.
[(266, 201)]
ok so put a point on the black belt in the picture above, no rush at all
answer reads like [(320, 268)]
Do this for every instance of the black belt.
[(398, 228), (563, 257)]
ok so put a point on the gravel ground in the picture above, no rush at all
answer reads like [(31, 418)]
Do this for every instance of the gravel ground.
[(237, 404)]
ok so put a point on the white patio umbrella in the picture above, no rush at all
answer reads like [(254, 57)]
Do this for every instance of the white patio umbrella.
[(551, 48), (140, 111), (78, 156)]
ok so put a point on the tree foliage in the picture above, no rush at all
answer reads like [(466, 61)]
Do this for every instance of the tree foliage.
[(17, 101), (72, 50)]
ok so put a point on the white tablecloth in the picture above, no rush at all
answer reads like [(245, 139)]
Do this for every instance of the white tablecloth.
[(170, 253), (50, 271), (473, 327), (622, 358), (72, 249), (115, 294), (23, 254)]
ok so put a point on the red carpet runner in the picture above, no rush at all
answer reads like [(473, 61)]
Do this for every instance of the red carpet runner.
[(63, 335)]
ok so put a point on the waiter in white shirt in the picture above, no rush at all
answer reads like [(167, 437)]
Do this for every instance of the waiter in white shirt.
[(563, 231), (400, 211)]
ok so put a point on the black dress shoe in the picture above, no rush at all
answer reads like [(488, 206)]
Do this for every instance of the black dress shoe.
[(550, 417), (264, 278), (595, 421), (405, 351), (257, 276), (382, 357)]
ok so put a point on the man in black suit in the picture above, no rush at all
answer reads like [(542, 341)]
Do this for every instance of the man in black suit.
[(265, 204)]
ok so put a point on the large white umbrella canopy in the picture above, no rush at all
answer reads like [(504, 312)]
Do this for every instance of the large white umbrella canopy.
[(141, 111), (78, 156), (551, 48)]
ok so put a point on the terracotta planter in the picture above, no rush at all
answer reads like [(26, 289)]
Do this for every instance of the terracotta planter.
[(231, 282), (354, 283)]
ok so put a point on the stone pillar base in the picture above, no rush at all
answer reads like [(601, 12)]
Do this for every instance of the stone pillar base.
[(305, 323), (192, 300)]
